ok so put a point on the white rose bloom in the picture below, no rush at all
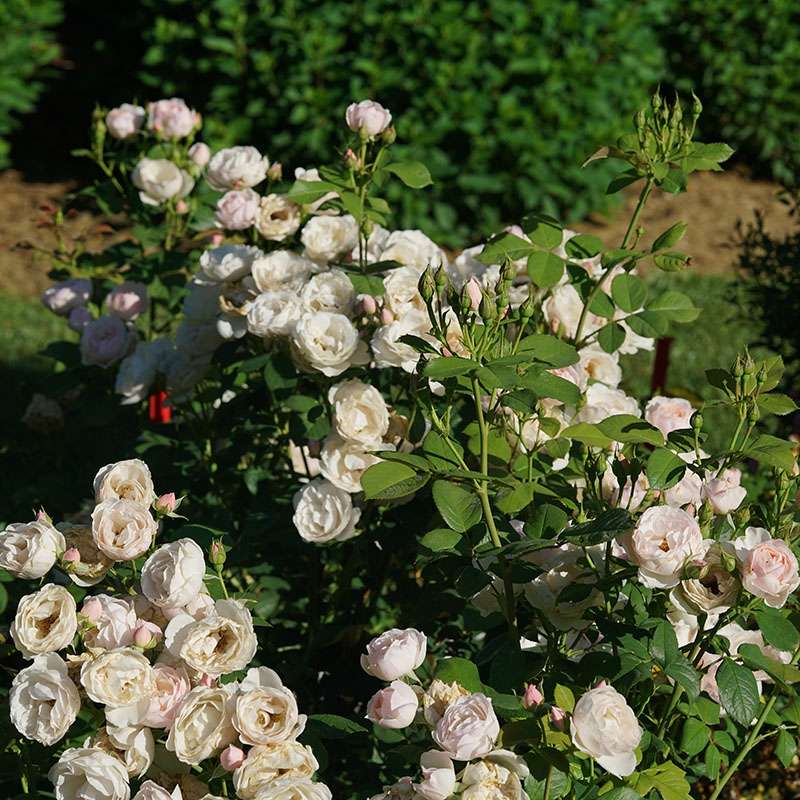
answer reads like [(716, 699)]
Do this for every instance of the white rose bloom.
[(232, 325), (603, 402), (114, 621), (661, 543), (137, 746), (266, 764), (281, 269), (125, 480), (669, 414), (125, 120), (368, 117), (359, 412), (106, 340), (343, 461), (173, 575), (438, 776), (240, 167), (150, 790), (689, 489), (328, 238), (401, 295), (237, 210), (465, 266), (137, 371), (89, 773), (468, 728), (714, 590), (278, 217), (633, 341), (228, 263), (218, 644), (412, 249), (394, 706), (496, 777), (324, 513), (274, 313), (266, 711), (327, 343), (119, 678), (543, 593), (159, 180), (123, 529), (724, 491), (43, 701), (604, 726), (63, 297), (294, 789), (439, 695), (598, 365), (30, 549), (171, 687), (395, 653), (632, 495), (94, 564), (329, 291), (387, 348), (563, 310), (46, 621), (767, 566), (203, 724)]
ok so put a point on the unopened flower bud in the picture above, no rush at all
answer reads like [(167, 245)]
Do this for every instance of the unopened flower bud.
[(427, 285), (216, 554), (368, 304), (386, 316), (146, 634), (487, 308), (275, 171), (181, 207), (217, 239), (231, 758), (351, 160), (697, 422), (92, 609), (72, 555), (200, 153), (43, 516), (389, 135), (440, 278), (472, 291), (533, 697), (166, 504), (558, 717)]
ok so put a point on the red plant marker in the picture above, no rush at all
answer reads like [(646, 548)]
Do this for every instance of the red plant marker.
[(658, 381), (160, 413)]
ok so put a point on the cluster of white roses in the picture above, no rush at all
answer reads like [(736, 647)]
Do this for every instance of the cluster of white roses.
[(151, 660)]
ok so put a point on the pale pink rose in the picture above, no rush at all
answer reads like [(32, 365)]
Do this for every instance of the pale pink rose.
[(105, 341), (393, 707), (669, 414), (689, 489), (115, 621), (62, 298), (767, 566), (468, 728), (438, 776), (394, 653), (387, 318), (125, 121), (473, 289), (237, 210), (367, 304), (200, 153), (368, 117), (79, 318), (533, 697), (662, 541), (231, 758), (723, 491), (147, 634), (123, 529), (172, 118), (605, 727), (172, 685), (72, 555), (558, 717), (128, 300), (709, 665)]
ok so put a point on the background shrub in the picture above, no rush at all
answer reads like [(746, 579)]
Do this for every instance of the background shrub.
[(27, 44)]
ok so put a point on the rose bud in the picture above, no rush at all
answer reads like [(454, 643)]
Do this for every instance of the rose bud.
[(386, 316), (146, 634), (92, 609), (368, 304), (393, 707), (181, 207), (558, 717), (200, 153), (533, 697), (275, 171), (216, 553), (166, 504), (72, 555), (231, 758)]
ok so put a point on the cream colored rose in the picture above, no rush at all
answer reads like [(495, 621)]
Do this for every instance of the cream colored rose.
[(150, 790), (281, 269), (171, 687), (324, 513), (327, 343), (603, 402), (30, 549), (134, 745), (438, 697), (387, 348), (114, 621), (159, 180), (203, 724), (329, 291), (359, 412), (544, 593), (343, 461), (412, 248), (689, 489), (401, 295), (222, 642), (496, 777), (265, 711), (173, 575), (123, 529), (46, 621), (89, 773), (240, 167), (94, 563), (604, 726), (438, 776), (723, 490), (329, 238), (562, 311), (219, 265), (274, 313), (669, 414), (395, 653), (266, 764), (394, 706), (597, 365), (44, 702), (767, 566), (125, 480), (661, 543), (714, 590), (278, 217), (118, 678), (468, 728), (294, 789)]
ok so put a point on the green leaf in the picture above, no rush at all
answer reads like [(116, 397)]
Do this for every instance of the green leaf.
[(389, 480), (545, 269), (543, 231), (505, 247), (549, 349), (738, 691), (331, 726), (449, 367), (675, 306), (629, 429), (564, 698), (604, 527), (785, 748), (672, 261), (776, 403), (646, 323), (685, 675), (305, 192), (611, 337), (547, 521), (511, 501), (664, 643), (667, 779), (777, 630), (460, 671), (545, 384), (694, 737), (412, 173), (621, 793), (713, 762), (440, 539), (670, 237), (587, 433), (459, 507), (772, 451), (366, 284), (664, 469), (753, 657), (628, 292), (584, 246)]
